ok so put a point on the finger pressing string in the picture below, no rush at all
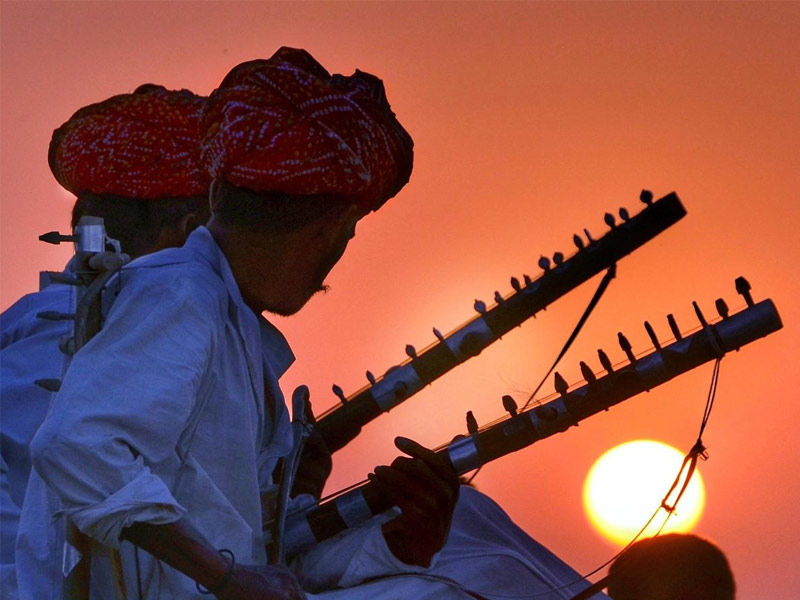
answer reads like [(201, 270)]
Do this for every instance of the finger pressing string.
[(437, 462)]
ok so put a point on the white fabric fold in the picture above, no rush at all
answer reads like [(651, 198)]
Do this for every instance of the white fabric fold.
[(144, 499)]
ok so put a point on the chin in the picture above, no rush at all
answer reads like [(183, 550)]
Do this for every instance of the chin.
[(289, 309)]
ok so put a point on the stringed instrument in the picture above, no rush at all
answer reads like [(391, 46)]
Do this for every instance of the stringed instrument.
[(341, 424), (97, 259), (570, 406)]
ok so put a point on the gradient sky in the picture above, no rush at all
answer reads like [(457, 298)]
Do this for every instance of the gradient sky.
[(531, 120)]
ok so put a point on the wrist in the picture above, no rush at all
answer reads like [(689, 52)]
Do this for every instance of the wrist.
[(219, 582), (410, 550)]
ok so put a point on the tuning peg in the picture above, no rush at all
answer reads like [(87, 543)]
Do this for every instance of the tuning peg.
[(588, 236), (527, 279), (604, 360), (743, 288), (722, 308), (652, 334), (699, 314), (480, 306), (472, 423), (544, 263), (51, 385), (626, 347), (558, 258), (67, 345), (498, 298), (646, 196), (559, 383), (673, 325), (53, 237), (54, 315), (411, 351), (370, 377), (56, 277), (339, 393), (578, 241), (587, 373), (438, 334), (609, 220), (510, 405), (624, 214), (515, 284)]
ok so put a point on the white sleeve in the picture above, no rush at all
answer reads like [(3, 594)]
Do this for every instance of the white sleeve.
[(124, 403), (353, 556), (9, 516)]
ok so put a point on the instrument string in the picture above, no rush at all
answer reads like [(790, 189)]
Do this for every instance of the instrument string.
[(688, 466), (617, 365)]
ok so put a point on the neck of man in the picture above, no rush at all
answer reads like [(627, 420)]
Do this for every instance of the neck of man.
[(268, 270)]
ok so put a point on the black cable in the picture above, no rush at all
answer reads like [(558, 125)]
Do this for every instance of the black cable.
[(610, 274)]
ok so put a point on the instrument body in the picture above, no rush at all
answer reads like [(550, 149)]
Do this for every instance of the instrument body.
[(90, 270)]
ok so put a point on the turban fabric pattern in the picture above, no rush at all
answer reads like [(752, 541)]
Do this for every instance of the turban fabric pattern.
[(140, 145), (285, 124)]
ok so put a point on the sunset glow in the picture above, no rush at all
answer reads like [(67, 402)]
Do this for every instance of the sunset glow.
[(530, 120), (627, 484)]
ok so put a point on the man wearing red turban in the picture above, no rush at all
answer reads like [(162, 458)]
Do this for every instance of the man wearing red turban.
[(132, 160), (328, 151), (170, 423)]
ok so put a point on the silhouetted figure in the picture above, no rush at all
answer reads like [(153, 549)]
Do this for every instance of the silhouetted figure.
[(671, 567), (133, 160)]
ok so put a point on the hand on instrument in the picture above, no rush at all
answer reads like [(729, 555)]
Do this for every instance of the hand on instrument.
[(425, 488), (261, 582)]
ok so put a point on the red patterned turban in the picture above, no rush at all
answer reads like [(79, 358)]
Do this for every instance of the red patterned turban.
[(285, 124), (140, 145)]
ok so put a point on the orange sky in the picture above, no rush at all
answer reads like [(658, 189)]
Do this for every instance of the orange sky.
[(531, 120)]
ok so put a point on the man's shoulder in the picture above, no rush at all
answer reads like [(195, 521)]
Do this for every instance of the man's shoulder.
[(174, 275)]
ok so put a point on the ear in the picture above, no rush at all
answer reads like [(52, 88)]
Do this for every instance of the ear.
[(175, 235), (341, 223), (188, 223), (213, 193)]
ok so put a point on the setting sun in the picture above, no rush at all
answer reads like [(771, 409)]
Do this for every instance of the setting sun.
[(627, 484)]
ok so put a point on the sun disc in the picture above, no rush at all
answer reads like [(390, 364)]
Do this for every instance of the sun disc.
[(626, 485)]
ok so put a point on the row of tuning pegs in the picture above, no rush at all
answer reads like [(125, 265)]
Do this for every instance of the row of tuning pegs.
[(509, 405), (546, 263), (742, 287), (646, 196), (66, 343), (561, 385)]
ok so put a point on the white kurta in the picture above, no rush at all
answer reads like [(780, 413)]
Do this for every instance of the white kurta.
[(162, 414), (173, 410), (486, 556), (28, 351)]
